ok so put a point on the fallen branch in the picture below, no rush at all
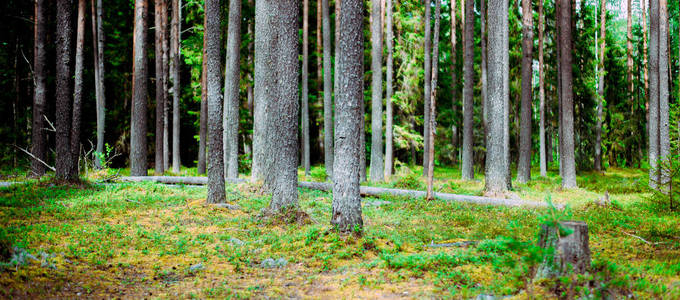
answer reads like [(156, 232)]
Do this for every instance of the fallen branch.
[(643, 240), (33, 156), (456, 244)]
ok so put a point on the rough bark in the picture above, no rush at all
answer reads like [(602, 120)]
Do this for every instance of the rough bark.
[(203, 115), (524, 164), (541, 92), (166, 82), (100, 90), (645, 65), (327, 91), (454, 80), (231, 91), (600, 87), (377, 163), (77, 90), (389, 91), (175, 54), (629, 49), (305, 86), (160, 100), (319, 50), (433, 99), (664, 91), (484, 64), (138, 162), (216, 193), (427, 88), (565, 32), (346, 215), (38, 134), (467, 169), (64, 89), (567, 254), (653, 119), (497, 175)]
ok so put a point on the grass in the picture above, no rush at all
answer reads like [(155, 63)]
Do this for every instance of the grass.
[(149, 240)]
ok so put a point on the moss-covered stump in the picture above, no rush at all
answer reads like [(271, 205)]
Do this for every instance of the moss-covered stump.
[(566, 248)]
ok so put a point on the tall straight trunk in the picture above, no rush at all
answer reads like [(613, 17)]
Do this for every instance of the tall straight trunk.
[(497, 175), (484, 63), (433, 99), (454, 81), (565, 32), (629, 49), (467, 169), (138, 162), (216, 193), (653, 119), (427, 86), (389, 91), (319, 49), (664, 90), (249, 87), (327, 91), (64, 87), (346, 204), (305, 86), (284, 122), (231, 90), (38, 135), (558, 43), (203, 117), (175, 53), (541, 92), (644, 54), (377, 163), (98, 55), (600, 86), (78, 90), (166, 70), (524, 164), (160, 100)]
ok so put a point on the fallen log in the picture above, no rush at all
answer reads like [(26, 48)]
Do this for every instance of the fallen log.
[(364, 190)]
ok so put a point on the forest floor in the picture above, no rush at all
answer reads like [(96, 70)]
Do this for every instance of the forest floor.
[(134, 240)]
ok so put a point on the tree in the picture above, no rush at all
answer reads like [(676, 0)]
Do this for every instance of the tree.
[(433, 99), (231, 90), (524, 165), (264, 87), (497, 171), (305, 86), (454, 79), (541, 92), (77, 90), (659, 91), (160, 100), (98, 47), (567, 97), (64, 45), (175, 53), (139, 76), (389, 91), (377, 164), (216, 193), (346, 215), (327, 91), (600, 86), (629, 48), (38, 135), (203, 114), (427, 88), (467, 169), (166, 69)]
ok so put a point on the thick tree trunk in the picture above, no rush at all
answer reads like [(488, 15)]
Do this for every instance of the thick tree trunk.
[(467, 169), (78, 90), (327, 91), (175, 54), (160, 100), (377, 163), (541, 92), (524, 165), (427, 88), (497, 175), (454, 80), (38, 135), (653, 119), (564, 30), (346, 214), (216, 193), (389, 91), (305, 86), (203, 116), (600, 87), (231, 90), (138, 162), (664, 91), (433, 100), (64, 87)]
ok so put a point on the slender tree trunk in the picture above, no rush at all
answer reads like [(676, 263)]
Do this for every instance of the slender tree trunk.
[(454, 81), (629, 49), (600, 87), (664, 91), (558, 43), (160, 104), (427, 88), (346, 214), (249, 89), (644, 54), (64, 87), (38, 135), (305, 86), (496, 162), (484, 63), (175, 54), (389, 91), (98, 55), (319, 50), (653, 119), (565, 31), (433, 100), (377, 163), (78, 90), (327, 91), (203, 117), (524, 165), (231, 90), (216, 193), (166, 71), (541, 91), (467, 169)]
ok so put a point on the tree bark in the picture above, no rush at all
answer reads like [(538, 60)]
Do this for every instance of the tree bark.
[(216, 193), (570, 253), (64, 91), (98, 46), (389, 91), (600, 87), (664, 91), (454, 80), (497, 175), (433, 100), (541, 92), (377, 163), (203, 117), (467, 169), (346, 204), (138, 162), (565, 36), (427, 86), (305, 86), (319, 50), (327, 91), (166, 70), (231, 90), (38, 135), (524, 165), (160, 100), (78, 90), (484, 65), (653, 119), (629, 49), (175, 55)]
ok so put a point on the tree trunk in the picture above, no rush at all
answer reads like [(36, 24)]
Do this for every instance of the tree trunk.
[(600, 87), (160, 100), (327, 91), (377, 163), (433, 100), (98, 45), (427, 88), (319, 50), (524, 165), (570, 254), (305, 86), (138, 162), (231, 90), (78, 90), (346, 204), (38, 135), (467, 169), (216, 193), (653, 119), (166, 105), (496, 163), (629, 49), (664, 91), (64, 87), (541, 92), (249, 88), (389, 91), (203, 117), (484, 65), (564, 29), (175, 55), (454, 81)]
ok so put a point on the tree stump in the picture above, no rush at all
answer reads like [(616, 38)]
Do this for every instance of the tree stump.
[(566, 248)]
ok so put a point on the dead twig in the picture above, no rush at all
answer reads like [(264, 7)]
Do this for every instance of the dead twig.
[(643, 240), (33, 156), (49, 123)]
